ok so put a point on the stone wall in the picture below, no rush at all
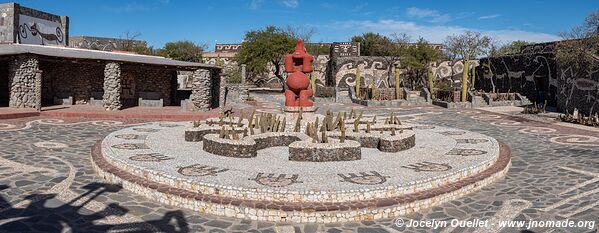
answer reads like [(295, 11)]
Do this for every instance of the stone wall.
[(149, 79), (4, 87), (374, 72), (532, 75), (536, 74), (7, 22), (23, 72), (102, 43), (79, 80)]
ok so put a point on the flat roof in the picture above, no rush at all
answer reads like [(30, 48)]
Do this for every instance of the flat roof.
[(76, 53)]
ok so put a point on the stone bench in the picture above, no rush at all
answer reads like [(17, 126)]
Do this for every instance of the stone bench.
[(96, 99), (150, 99), (63, 98)]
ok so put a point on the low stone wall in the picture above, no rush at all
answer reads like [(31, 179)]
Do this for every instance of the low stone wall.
[(242, 148), (325, 152)]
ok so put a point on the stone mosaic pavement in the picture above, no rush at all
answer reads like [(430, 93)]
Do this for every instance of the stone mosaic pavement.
[(47, 183)]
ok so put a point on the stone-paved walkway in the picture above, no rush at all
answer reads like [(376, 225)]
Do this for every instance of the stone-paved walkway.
[(47, 183)]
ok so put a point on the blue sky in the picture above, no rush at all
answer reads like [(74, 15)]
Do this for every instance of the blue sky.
[(226, 21)]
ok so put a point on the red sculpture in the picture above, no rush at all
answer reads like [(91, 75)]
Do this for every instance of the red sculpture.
[(297, 65)]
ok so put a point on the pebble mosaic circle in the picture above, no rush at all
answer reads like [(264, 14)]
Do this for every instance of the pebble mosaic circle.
[(440, 153)]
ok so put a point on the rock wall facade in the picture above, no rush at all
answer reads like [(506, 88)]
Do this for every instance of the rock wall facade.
[(24, 91), (78, 80), (536, 74), (149, 79)]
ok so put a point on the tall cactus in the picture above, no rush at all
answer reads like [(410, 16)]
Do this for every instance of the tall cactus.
[(397, 83), (313, 83), (473, 77), (431, 81), (465, 80), (358, 82)]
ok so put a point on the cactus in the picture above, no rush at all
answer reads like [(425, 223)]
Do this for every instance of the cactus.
[(250, 120), (240, 117), (342, 138), (358, 82), (431, 81), (465, 81), (367, 127), (397, 83), (374, 120), (473, 78), (235, 136), (313, 83), (393, 131), (283, 124), (316, 123), (357, 125), (297, 125), (324, 137), (196, 124), (251, 130), (221, 134)]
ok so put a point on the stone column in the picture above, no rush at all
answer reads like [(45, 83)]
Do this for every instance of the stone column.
[(112, 86), (23, 82), (38, 94), (244, 93), (222, 95), (201, 95)]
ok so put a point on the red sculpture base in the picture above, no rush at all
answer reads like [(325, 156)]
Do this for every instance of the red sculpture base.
[(293, 100)]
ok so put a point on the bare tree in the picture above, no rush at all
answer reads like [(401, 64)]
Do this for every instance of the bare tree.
[(300, 32), (466, 46), (128, 40), (580, 47)]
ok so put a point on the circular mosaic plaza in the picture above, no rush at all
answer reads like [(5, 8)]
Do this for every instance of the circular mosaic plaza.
[(155, 160)]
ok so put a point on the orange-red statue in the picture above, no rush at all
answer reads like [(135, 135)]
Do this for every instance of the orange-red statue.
[(297, 65)]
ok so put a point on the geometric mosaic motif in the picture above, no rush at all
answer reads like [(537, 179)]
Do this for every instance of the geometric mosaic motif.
[(452, 133), (151, 157), (131, 146), (271, 180), (200, 170), (146, 130), (428, 167), (364, 178), (131, 136), (465, 152), (471, 141)]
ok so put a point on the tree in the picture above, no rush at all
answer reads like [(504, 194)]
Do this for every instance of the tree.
[(513, 48), (263, 47), (372, 44), (419, 57), (580, 47), (468, 45), (318, 49), (182, 51), (128, 40)]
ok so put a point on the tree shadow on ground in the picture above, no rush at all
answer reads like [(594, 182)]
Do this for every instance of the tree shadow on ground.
[(44, 213)]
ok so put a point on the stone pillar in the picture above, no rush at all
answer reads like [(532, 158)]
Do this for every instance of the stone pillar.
[(244, 92), (112, 86), (222, 95), (38, 94), (201, 95), (23, 82)]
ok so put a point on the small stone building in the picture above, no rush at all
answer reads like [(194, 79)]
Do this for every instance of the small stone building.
[(35, 75)]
